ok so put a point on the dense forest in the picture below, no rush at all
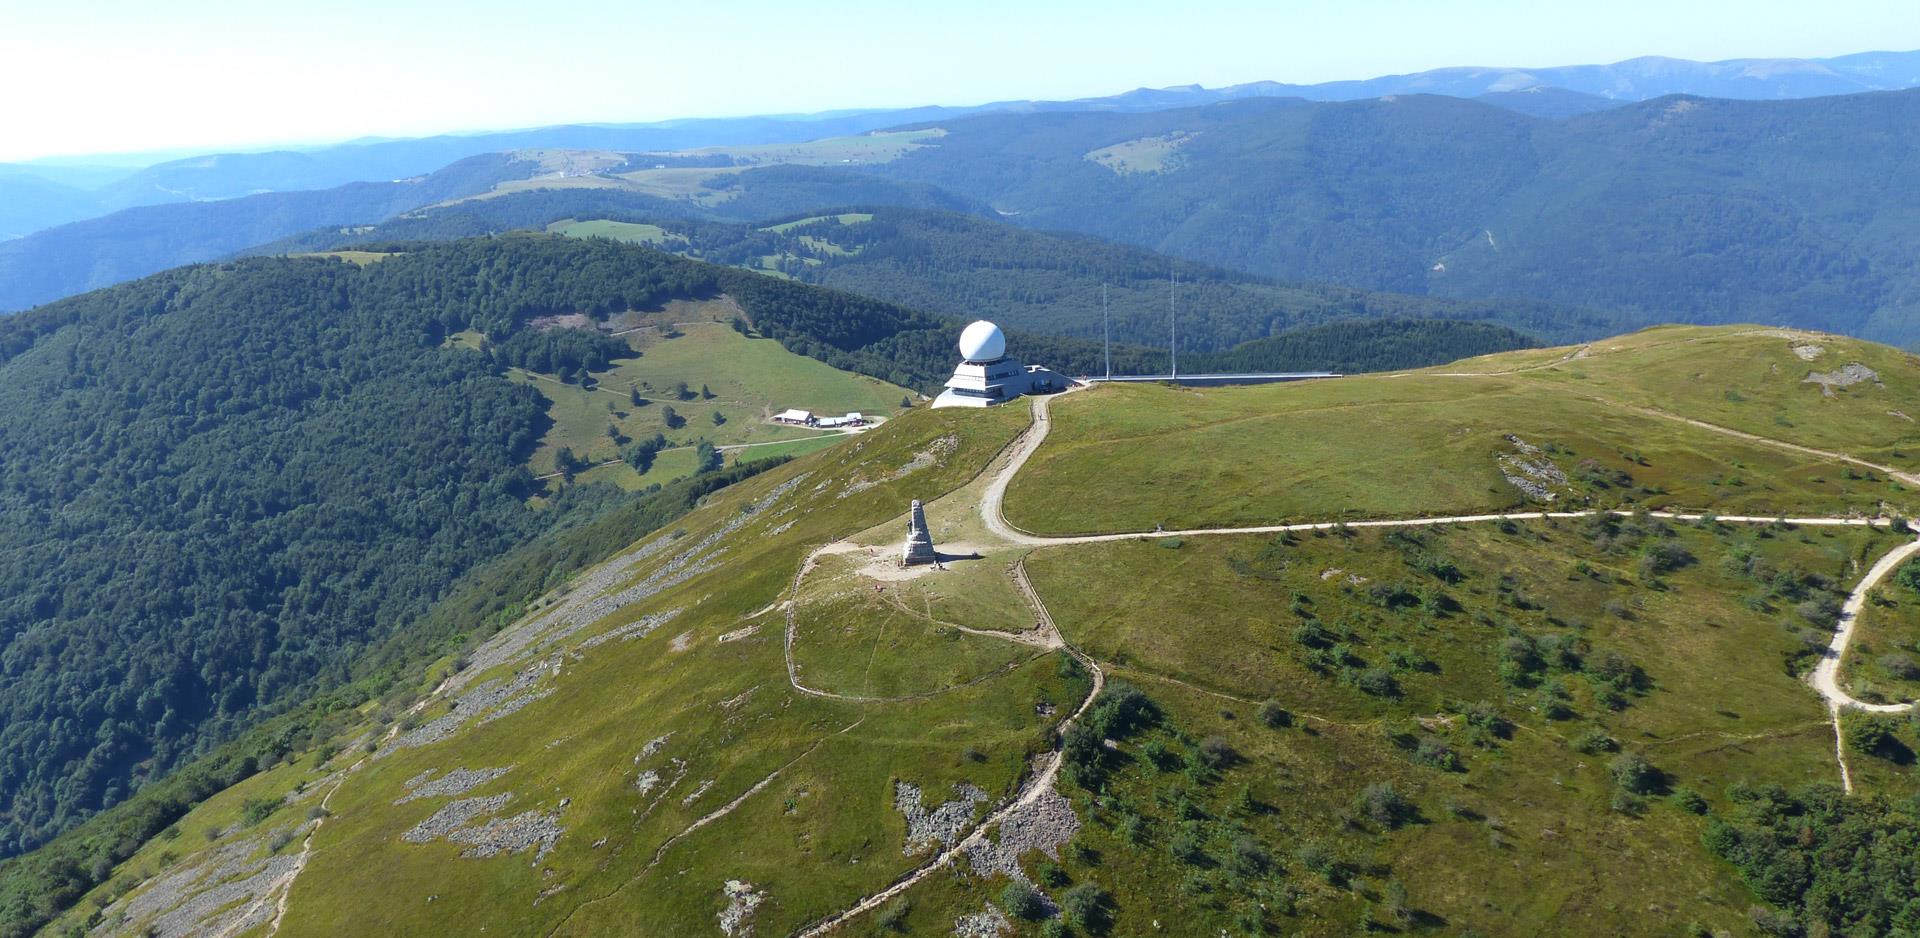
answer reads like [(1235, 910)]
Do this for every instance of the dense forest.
[(1830, 864), (1354, 346)]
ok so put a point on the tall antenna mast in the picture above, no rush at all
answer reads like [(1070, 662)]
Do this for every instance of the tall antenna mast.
[(1106, 334), (1173, 335)]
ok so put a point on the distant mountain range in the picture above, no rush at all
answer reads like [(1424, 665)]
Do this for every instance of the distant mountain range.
[(1677, 209), (1691, 209), (37, 196)]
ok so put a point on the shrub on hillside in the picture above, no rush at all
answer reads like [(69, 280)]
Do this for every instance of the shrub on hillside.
[(1384, 805)]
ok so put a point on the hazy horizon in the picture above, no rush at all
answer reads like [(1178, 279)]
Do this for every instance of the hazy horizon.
[(207, 76)]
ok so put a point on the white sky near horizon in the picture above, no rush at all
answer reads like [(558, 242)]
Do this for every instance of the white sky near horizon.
[(118, 76)]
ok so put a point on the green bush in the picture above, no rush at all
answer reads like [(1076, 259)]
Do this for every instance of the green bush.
[(1087, 906), (1021, 901), (1274, 715), (1384, 805), (1593, 742), (1633, 774), (255, 810)]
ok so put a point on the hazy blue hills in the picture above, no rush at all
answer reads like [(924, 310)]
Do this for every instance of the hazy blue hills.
[(1690, 209), (73, 258), (1555, 92), (1637, 79)]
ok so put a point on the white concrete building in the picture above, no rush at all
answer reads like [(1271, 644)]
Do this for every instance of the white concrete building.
[(987, 376)]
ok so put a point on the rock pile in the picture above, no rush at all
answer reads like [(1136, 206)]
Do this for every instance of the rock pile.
[(944, 824), (1042, 825), (1845, 376), (456, 782), (454, 815), (987, 923), (742, 899), (517, 834), (489, 701), (219, 895), (1530, 471)]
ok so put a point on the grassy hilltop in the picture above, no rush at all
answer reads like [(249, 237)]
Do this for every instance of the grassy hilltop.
[(752, 721)]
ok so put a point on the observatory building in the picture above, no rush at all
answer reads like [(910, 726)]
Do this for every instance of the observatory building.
[(986, 376)]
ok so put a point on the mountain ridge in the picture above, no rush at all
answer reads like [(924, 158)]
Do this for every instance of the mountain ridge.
[(217, 175)]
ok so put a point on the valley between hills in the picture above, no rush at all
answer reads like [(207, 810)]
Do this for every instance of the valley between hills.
[(1577, 640)]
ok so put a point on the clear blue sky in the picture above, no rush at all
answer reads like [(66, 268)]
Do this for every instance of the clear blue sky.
[(101, 76)]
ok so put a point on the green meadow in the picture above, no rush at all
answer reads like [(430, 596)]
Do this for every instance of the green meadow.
[(1383, 447)]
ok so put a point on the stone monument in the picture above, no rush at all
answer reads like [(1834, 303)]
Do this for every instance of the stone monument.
[(919, 547)]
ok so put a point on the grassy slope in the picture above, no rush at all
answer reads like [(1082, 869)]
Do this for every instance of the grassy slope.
[(1549, 855), (1522, 841), (750, 379), (630, 232), (609, 701), (1887, 630), (1749, 378), (1427, 444)]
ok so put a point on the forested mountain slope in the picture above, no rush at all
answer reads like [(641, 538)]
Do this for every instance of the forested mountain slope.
[(73, 258), (1372, 687), (1704, 210), (964, 265), (223, 482)]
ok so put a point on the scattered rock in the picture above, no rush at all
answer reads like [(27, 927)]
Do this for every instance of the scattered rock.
[(456, 782), (647, 781), (944, 824), (693, 796), (639, 628), (454, 815), (738, 634), (219, 895), (653, 746), (924, 459), (987, 923), (1042, 825), (742, 899), (681, 642), (1808, 351), (1531, 471), (516, 834), (1845, 376)]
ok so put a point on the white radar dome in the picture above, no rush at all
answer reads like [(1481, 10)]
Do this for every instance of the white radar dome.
[(982, 342)]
